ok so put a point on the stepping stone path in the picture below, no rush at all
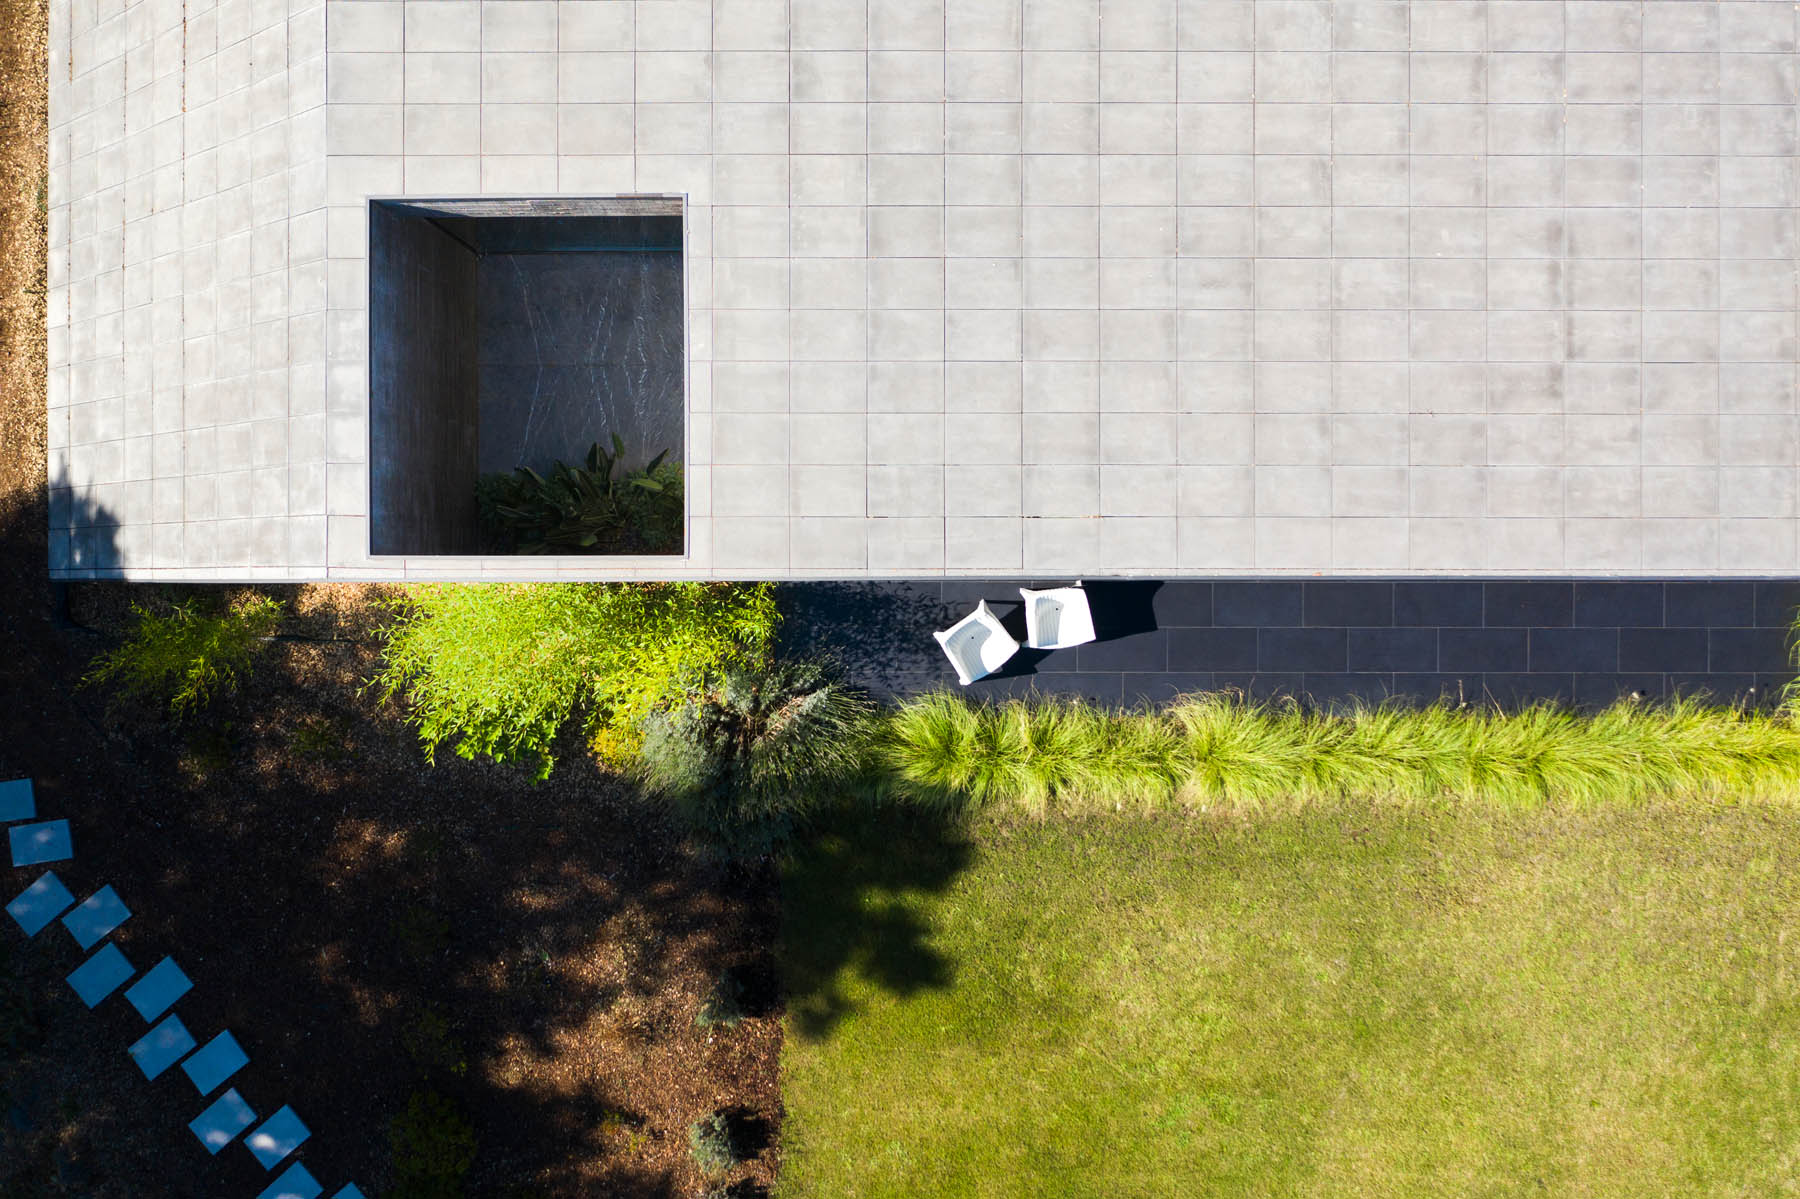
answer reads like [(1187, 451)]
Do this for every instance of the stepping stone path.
[(219, 1060), (39, 904), (297, 1183), (101, 975), (98, 916), (153, 995), (162, 1047), (35, 844), (220, 1124), (157, 991)]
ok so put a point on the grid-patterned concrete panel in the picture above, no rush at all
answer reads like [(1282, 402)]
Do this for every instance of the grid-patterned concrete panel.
[(978, 287)]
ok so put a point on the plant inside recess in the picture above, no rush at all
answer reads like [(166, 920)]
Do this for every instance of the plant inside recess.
[(593, 508)]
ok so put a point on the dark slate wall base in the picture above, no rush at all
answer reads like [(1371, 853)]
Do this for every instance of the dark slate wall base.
[(1330, 642)]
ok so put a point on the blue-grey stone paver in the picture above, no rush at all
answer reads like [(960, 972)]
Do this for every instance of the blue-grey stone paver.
[(16, 801), (160, 987), (219, 1060), (220, 1124), (33, 844), (97, 916), (296, 1182), (279, 1136), (162, 1047), (39, 904), (100, 975)]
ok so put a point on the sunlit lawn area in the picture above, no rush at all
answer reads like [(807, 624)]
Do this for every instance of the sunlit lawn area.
[(1344, 1002)]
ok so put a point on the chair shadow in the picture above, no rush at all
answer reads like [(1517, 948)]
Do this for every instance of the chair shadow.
[(1121, 608)]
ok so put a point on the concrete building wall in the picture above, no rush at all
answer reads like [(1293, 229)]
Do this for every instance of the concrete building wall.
[(424, 369), (999, 286)]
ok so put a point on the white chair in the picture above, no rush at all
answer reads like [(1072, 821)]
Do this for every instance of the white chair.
[(1057, 618), (977, 645)]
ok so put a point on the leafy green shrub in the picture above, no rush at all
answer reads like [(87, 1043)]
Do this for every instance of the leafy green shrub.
[(714, 1143), (744, 761), (723, 1006), (433, 1146), (585, 509), (187, 658), (1215, 750), (502, 669)]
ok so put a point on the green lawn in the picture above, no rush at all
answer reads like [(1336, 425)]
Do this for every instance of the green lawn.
[(1343, 1002)]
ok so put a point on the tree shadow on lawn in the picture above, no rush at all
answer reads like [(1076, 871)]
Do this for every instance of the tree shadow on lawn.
[(845, 909)]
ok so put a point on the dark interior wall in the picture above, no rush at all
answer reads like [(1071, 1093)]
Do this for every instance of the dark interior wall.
[(423, 388)]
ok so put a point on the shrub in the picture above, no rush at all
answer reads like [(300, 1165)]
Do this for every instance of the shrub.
[(744, 761), (723, 1006), (1217, 750), (433, 1146), (584, 509), (502, 669), (186, 659), (714, 1143)]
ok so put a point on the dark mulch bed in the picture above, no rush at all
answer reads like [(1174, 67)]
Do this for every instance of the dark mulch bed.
[(370, 926)]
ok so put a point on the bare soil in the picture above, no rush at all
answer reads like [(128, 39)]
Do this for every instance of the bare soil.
[(368, 925)]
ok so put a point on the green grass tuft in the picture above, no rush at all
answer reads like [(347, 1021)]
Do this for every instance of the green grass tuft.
[(1215, 750)]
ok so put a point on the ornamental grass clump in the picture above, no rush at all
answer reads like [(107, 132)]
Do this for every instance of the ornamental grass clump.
[(1217, 750)]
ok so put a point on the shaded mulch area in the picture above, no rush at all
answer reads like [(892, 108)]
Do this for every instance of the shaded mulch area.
[(369, 926)]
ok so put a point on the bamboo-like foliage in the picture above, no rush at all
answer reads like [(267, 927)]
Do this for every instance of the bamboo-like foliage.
[(1217, 750)]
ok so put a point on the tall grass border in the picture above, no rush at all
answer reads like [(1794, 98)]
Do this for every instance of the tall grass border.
[(1220, 750)]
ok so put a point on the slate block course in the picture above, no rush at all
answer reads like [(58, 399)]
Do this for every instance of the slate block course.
[(1257, 604), (1599, 640), (1484, 650), (1403, 650), (1433, 603), (1592, 650), (1598, 605), (1342, 603), (1531, 604), (1711, 604)]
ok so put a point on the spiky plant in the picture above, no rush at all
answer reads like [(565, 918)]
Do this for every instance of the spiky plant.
[(743, 762)]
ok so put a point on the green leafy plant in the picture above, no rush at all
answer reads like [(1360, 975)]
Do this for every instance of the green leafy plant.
[(714, 1143), (501, 670), (743, 761), (587, 509), (433, 1147), (186, 658), (1217, 750)]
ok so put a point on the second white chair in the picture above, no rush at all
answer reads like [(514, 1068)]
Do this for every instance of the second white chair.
[(977, 645), (1057, 618)]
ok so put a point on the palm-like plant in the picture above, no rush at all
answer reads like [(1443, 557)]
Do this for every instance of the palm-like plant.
[(588, 509), (744, 761)]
